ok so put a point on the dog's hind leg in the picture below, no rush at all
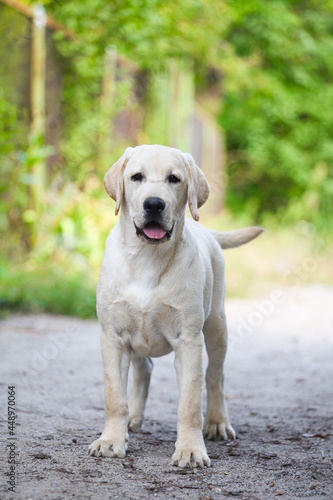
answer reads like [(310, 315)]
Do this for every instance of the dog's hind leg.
[(216, 425), (142, 368)]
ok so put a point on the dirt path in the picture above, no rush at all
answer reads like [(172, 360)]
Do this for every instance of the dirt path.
[(279, 383)]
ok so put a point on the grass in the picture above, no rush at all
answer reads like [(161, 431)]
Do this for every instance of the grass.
[(47, 289)]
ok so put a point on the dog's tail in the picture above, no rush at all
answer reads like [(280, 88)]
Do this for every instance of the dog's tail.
[(238, 237)]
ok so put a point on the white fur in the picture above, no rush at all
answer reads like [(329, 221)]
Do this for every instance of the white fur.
[(155, 298)]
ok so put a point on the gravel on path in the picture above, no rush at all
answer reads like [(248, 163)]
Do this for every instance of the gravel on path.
[(279, 382)]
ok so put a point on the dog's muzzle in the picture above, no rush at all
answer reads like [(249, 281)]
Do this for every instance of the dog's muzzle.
[(153, 229)]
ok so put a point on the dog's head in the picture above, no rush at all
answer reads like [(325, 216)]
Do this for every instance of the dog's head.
[(154, 184)]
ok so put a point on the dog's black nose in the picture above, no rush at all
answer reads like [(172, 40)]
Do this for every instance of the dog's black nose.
[(153, 205)]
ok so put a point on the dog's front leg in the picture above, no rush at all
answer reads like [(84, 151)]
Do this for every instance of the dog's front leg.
[(190, 447), (116, 360)]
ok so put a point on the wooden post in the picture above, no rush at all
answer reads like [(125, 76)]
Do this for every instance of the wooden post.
[(180, 105), (173, 101), (212, 157), (38, 101), (156, 116)]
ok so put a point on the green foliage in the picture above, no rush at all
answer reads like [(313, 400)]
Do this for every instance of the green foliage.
[(73, 226), (14, 177), (49, 288), (275, 58), (277, 109), (275, 61), (147, 31)]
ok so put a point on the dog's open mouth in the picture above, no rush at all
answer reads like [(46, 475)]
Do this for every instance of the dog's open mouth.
[(153, 232)]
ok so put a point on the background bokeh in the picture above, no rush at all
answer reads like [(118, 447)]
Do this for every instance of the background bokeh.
[(246, 87)]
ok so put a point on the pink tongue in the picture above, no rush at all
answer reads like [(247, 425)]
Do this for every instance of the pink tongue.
[(154, 231)]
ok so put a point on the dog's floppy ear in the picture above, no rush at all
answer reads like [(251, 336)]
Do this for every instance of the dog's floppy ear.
[(198, 187), (113, 180)]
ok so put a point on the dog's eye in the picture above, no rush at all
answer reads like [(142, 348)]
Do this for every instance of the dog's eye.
[(137, 177), (173, 179)]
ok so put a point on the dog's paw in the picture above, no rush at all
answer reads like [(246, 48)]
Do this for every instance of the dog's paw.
[(218, 431), (135, 423), (106, 448), (191, 458)]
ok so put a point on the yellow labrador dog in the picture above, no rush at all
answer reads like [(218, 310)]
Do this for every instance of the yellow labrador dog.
[(161, 289)]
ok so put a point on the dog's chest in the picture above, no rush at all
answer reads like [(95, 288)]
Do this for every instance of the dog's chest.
[(145, 321)]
